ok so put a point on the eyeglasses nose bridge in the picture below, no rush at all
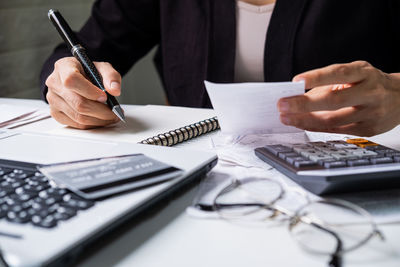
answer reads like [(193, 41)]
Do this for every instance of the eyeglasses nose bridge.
[(294, 221)]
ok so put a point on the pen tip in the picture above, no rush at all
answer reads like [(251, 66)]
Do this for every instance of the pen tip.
[(120, 114)]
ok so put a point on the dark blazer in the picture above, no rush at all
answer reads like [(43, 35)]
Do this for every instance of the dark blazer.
[(196, 39)]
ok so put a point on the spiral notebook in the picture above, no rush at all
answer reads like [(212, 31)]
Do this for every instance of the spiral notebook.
[(184, 133), (152, 124)]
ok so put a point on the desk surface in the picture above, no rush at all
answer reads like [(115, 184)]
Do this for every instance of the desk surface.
[(170, 237)]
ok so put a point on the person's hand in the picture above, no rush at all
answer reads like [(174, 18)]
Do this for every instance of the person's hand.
[(75, 101), (353, 98)]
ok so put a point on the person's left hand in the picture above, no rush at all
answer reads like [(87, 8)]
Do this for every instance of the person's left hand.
[(353, 98)]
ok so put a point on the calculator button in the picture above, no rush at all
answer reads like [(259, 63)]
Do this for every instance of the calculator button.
[(293, 160), (323, 147), (344, 146), (334, 164), (331, 150), (358, 162), (276, 149), (379, 149), (343, 155), (335, 142), (381, 160), (373, 148), (305, 163), (321, 157), (288, 154), (363, 153), (301, 148), (357, 141), (394, 153), (367, 144), (310, 152)]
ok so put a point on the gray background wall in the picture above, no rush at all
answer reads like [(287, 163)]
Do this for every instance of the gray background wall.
[(27, 38)]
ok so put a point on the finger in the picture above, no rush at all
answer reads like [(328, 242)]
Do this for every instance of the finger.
[(354, 72), (65, 120), (80, 118), (88, 107), (72, 77), (324, 98), (357, 128), (324, 120), (111, 77)]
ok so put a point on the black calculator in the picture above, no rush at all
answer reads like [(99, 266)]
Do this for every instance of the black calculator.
[(336, 166)]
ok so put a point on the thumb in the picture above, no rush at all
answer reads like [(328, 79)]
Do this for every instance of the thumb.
[(111, 78)]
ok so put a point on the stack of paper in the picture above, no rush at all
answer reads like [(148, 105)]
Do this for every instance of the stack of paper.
[(12, 116)]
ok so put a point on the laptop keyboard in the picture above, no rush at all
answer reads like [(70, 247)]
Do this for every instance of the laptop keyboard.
[(26, 196)]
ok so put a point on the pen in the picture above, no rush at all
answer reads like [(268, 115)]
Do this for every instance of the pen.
[(79, 52)]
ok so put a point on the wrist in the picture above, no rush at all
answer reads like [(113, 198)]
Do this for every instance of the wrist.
[(394, 85)]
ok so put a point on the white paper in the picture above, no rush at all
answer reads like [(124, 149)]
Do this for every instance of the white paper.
[(13, 116), (12, 112), (251, 108), (141, 123)]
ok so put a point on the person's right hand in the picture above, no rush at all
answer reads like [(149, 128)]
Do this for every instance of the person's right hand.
[(75, 101)]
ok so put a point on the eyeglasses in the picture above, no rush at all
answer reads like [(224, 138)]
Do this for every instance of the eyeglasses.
[(326, 227)]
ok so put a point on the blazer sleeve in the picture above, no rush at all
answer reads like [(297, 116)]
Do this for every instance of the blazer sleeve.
[(118, 31)]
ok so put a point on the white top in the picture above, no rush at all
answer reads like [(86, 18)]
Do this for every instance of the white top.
[(251, 30)]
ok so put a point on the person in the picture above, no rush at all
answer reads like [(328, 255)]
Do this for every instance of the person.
[(346, 52)]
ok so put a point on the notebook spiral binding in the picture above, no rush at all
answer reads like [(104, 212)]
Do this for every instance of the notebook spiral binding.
[(183, 134)]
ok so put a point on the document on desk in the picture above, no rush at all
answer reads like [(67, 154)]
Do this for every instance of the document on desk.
[(251, 108), (13, 116)]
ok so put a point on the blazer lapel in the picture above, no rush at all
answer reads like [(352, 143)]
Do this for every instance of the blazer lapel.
[(281, 36), (222, 38)]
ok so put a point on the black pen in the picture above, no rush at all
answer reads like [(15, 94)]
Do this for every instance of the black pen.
[(79, 52)]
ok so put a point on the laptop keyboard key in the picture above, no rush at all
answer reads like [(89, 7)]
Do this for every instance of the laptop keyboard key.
[(51, 197), (46, 222), (26, 196), (76, 202), (19, 174), (18, 217), (52, 191), (2, 213), (64, 213), (4, 171)]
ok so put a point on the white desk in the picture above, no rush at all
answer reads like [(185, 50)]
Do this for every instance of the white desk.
[(172, 238)]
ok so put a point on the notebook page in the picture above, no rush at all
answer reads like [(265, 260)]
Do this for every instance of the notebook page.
[(141, 123)]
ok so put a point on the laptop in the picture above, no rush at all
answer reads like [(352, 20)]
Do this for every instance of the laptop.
[(38, 242)]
